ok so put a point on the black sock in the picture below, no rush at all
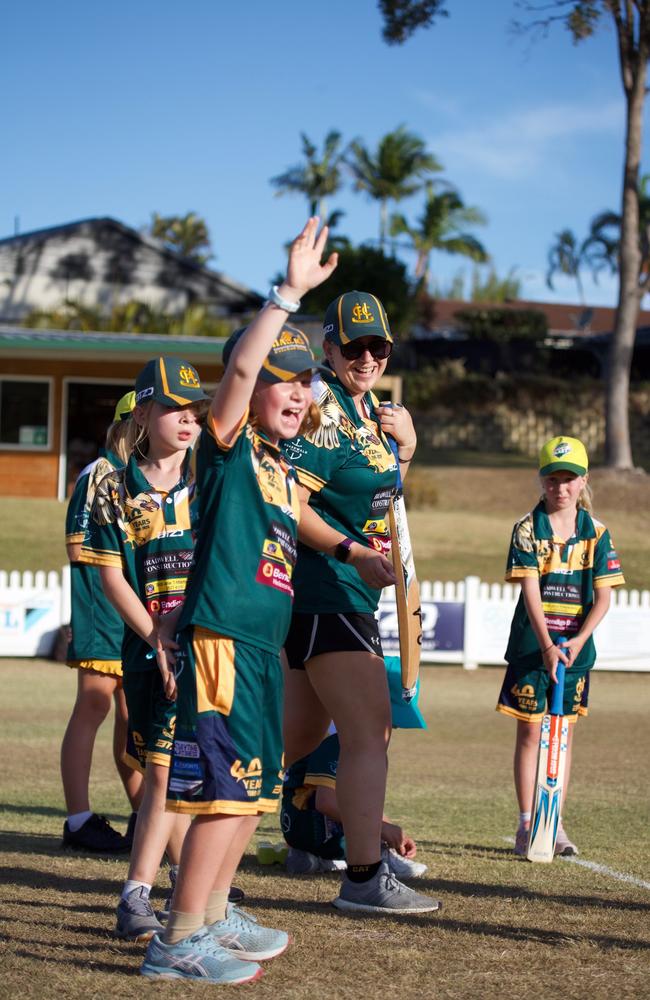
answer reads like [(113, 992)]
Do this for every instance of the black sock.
[(362, 873)]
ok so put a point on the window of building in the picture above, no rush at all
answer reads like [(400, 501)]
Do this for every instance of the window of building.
[(24, 413)]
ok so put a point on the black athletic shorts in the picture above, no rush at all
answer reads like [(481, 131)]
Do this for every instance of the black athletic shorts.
[(311, 635)]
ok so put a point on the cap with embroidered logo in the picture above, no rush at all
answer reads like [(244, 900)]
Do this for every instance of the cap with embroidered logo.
[(289, 356), (353, 315), (124, 407), (563, 454), (170, 382)]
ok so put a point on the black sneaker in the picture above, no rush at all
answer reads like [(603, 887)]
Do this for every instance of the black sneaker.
[(130, 829), (96, 834), (236, 895)]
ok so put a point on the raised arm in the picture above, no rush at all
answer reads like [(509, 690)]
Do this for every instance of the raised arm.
[(304, 272)]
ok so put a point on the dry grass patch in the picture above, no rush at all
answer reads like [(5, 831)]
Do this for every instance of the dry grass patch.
[(508, 929)]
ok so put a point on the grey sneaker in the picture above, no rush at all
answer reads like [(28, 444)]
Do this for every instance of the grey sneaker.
[(521, 841), (136, 920), (403, 867), (383, 894), (304, 863), (165, 909), (563, 845)]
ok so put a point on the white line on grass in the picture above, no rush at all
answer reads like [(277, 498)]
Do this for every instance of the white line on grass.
[(600, 869)]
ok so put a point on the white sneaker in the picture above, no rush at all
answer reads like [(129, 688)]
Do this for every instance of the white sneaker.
[(304, 863), (403, 867)]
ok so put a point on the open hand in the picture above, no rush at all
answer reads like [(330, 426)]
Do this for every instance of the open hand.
[(304, 270)]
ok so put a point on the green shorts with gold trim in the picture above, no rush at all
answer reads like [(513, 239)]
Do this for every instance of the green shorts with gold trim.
[(111, 668), (526, 690), (152, 718), (228, 743)]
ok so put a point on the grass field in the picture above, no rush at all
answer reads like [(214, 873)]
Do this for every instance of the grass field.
[(466, 532), (508, 929)]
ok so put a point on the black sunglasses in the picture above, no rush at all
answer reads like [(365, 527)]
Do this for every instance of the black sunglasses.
[(380, 349)]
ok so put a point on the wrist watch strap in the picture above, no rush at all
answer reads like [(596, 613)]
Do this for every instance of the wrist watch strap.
[(342, 550)]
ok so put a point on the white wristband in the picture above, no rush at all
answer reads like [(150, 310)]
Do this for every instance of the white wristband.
[(277, 300)]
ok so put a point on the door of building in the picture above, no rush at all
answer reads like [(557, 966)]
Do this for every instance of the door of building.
[(90, 409)]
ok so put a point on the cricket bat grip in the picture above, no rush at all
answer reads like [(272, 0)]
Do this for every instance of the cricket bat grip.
[(394, 447), (557, 695)]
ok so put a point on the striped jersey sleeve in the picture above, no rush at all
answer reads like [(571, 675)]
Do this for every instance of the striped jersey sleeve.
[(607, 565)]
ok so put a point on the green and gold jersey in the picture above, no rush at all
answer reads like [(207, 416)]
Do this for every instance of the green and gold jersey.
[(147, 534), (568, 574), (350, 470), (97, 629), (242, 583), (316, 770)]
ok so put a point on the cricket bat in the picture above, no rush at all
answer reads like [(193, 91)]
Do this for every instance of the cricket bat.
[(551, 762), (407, 590)]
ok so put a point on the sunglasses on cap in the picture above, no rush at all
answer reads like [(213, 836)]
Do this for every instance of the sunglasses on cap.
[(380, 349)]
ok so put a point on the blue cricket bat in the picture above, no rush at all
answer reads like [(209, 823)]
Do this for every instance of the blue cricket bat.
[(551, 763)]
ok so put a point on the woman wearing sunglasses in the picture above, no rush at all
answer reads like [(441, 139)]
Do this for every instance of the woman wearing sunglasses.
[(335, 669)]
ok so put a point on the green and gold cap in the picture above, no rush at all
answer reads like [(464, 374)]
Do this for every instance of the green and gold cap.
[(354, 315), (563, 453), (124, 407), (170, 382), (289, 356)]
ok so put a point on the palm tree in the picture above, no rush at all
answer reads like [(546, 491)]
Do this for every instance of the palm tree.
[(441, 227), (318, 177), (603, 243), (568, 256), (184, 234), (396, 170)]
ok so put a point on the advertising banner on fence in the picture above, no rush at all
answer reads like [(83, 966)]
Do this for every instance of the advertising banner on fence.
[(443, 624)]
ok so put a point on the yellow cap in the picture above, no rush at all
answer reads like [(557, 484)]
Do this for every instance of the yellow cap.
[(563, 453), (124, 408)]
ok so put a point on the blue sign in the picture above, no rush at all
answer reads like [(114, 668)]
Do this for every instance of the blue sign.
[(443, 625)]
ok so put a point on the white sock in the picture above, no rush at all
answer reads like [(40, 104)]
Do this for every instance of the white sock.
[(77, 820), (524, 819), (132, 884)]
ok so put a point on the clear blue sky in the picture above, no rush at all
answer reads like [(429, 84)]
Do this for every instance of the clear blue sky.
[(139, 105)]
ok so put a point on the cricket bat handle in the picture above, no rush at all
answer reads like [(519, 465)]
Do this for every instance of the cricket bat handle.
[(394, 447), (557, 697)]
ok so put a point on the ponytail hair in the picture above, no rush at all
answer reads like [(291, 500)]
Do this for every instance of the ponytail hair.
[(585, 500), (118, 438)]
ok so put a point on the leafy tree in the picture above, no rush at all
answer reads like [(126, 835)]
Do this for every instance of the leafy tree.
[(567, 256), (582, 18), (370, 270), (185, 234), (503, 325), (492, 288), (402, 17), (440, 227), (318, 177), (394, 171), (133, 316)]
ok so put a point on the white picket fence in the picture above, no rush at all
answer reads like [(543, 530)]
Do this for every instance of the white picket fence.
[(465, 622)]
